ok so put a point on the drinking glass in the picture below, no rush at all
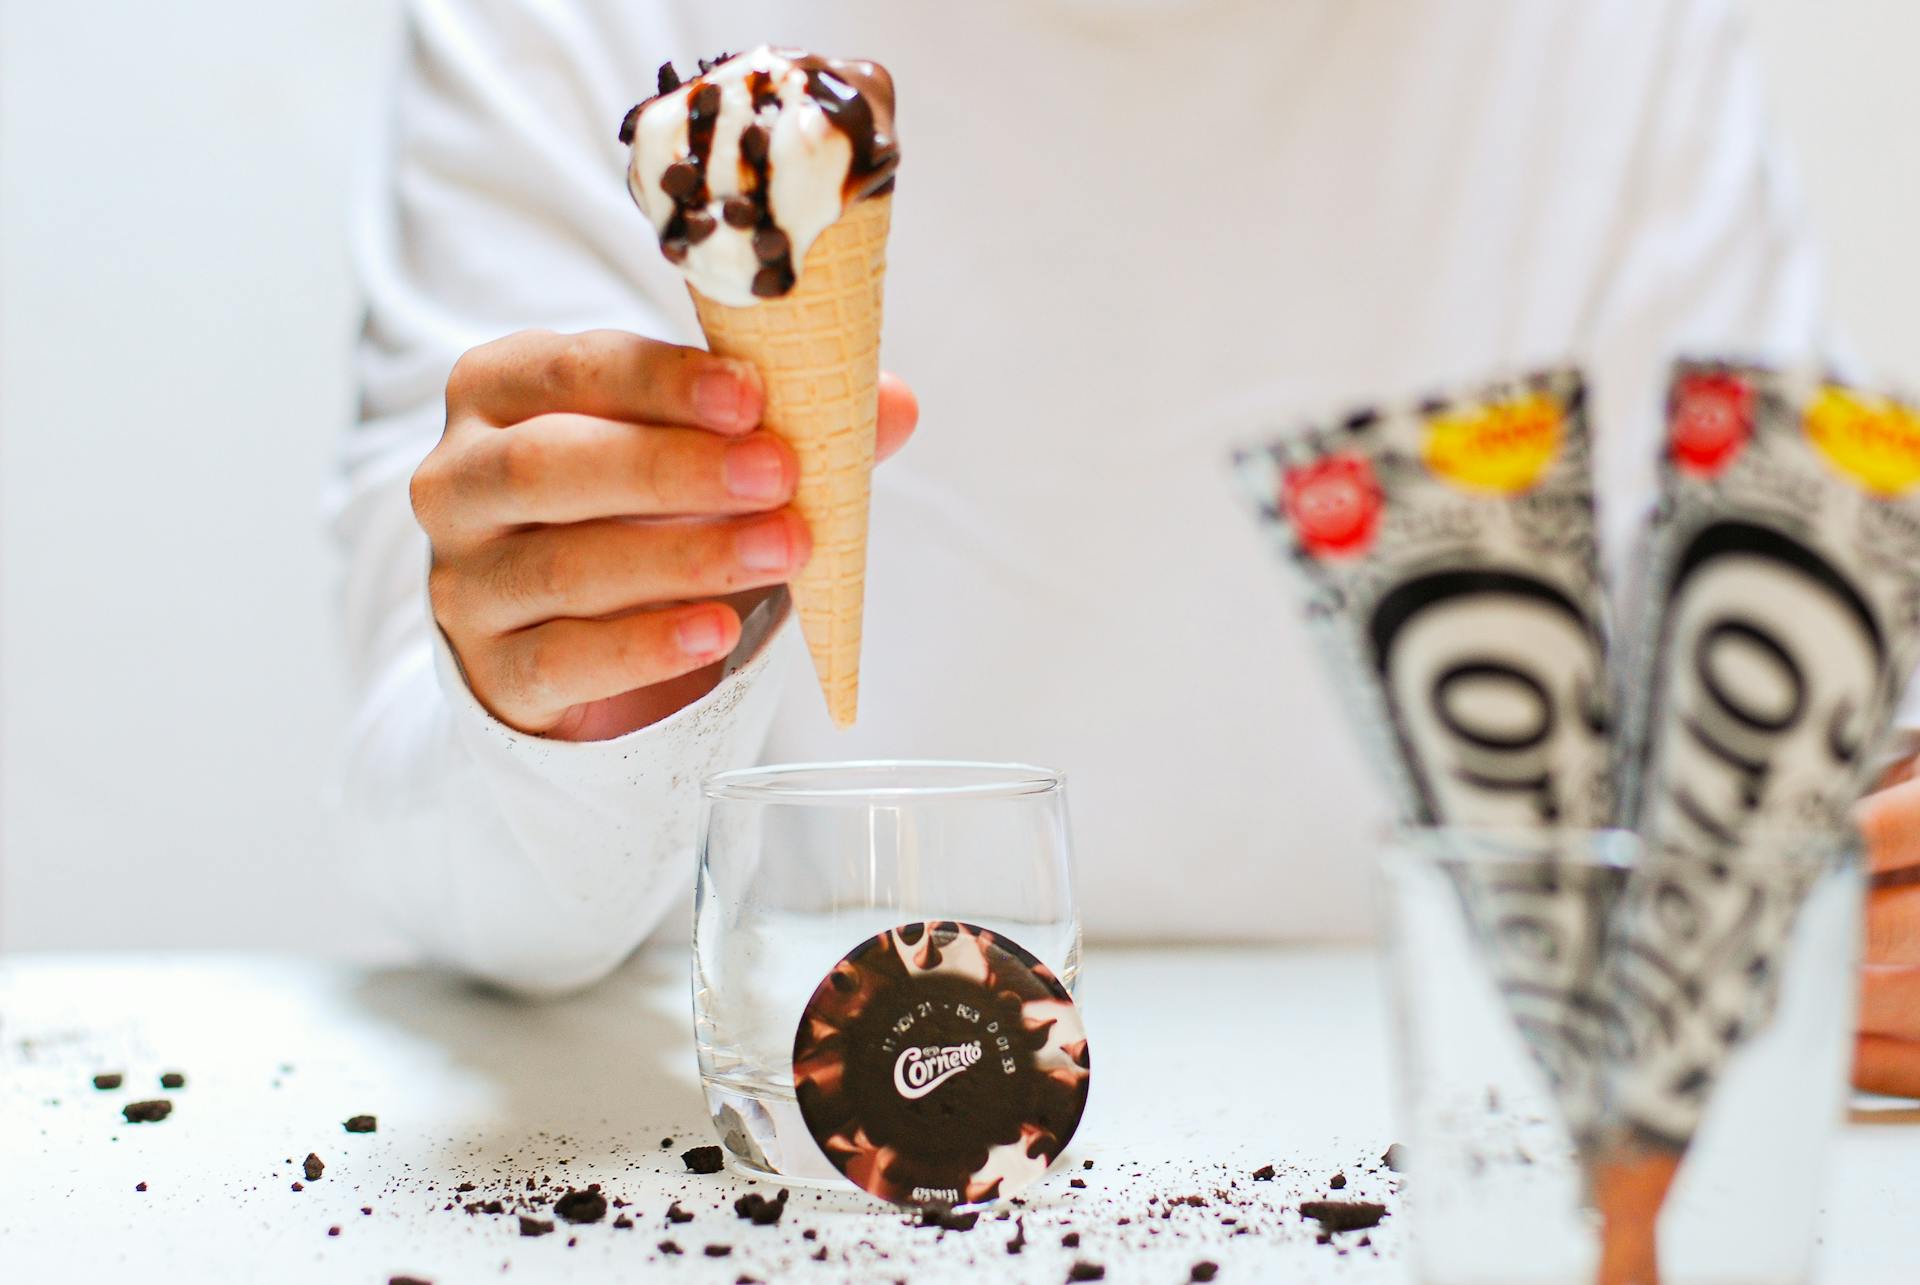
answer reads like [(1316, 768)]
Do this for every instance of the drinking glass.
[(800, 864), (1498, 1042)]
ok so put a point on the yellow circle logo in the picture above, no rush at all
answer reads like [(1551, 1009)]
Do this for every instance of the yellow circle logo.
[(1501, 447), (1873, 440)]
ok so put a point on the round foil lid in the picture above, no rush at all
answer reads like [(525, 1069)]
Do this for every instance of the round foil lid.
[(941, 1064)]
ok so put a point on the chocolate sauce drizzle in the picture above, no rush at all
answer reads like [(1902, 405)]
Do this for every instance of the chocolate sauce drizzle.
[(856, 97)]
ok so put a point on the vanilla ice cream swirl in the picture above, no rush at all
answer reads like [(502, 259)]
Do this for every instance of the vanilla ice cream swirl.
[(742, 167)]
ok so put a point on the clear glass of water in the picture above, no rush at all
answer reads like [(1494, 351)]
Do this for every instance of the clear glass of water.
[(801, 864), (1524, 967)]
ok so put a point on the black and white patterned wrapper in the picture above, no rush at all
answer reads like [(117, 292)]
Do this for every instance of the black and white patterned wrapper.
[(1782, 600), (1447, 554)]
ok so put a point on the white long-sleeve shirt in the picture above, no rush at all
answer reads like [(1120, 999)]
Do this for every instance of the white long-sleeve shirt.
[(1126, 232)]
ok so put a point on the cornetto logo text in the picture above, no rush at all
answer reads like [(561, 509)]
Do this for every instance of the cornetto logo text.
[(1496, 685), (1773, 674), (919, 1071)]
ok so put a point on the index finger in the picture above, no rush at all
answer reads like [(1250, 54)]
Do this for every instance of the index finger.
[(608, 374)]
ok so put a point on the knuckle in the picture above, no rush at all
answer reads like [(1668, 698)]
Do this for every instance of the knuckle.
[(567, 364), (540, 671), (524, 460), (710, 562), (640, 649), (656, 476), (555, 573), (465, 379), (425, 489), (444, 593)]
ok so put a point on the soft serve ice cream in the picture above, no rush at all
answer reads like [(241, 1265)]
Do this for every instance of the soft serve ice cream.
[(743, 167)]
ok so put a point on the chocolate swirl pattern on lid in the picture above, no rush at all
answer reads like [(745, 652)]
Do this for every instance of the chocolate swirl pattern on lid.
[(941, 1064)]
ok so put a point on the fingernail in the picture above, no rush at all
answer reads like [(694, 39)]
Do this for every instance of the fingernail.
[(756, 470), (700, 635), (764, 546), (720, 398)]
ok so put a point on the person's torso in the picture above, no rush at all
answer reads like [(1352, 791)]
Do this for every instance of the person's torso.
[(1127, 234)]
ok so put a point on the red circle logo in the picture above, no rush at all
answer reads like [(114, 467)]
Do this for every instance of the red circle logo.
[(1334, 505), (1711, 419)]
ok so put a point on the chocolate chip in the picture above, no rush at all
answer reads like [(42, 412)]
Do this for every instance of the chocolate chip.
[(631, 123), (1086, 1272), (680, 180), (703, 1160), (771, 283), (666, 1144), (754, 143), (173, 1080), (1337, 1182), (1071, 1240), (770, 245), (314, 1167), (757, 1209), (704, 102), (1263, 1174), (111, 1080), (668, 1247), (1343, 1215), (1204, 1271), (147, 1112), (623, 1222), (407, 1280), (299, 1186), (534, 1226), (675, 1214), (699, 225), (944, 1217), (464, 1187), (718, 1251), (581, 1206), (740, 211), (669, 79), (139, 1186), (333, 1231), (361, 1124), (1078, 1184)]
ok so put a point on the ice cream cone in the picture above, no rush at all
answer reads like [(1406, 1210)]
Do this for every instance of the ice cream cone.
[(818, 350), (1629, 1189)]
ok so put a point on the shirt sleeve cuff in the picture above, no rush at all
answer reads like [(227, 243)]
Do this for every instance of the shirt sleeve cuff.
[(676, 739)]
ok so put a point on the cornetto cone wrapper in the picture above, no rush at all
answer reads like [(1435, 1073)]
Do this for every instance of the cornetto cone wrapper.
[(769, 180), (1782, 600), (1449, 563), (818, 350)]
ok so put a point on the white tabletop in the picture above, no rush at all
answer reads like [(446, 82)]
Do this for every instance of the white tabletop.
[(1207, 1065)]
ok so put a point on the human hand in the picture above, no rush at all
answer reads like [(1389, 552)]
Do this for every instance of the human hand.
[(1887, 1049), (601, 507)]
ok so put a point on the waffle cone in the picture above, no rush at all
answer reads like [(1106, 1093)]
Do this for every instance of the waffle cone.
[(818, 351)]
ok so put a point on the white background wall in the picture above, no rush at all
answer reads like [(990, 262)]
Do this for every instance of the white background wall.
[(175, 318)]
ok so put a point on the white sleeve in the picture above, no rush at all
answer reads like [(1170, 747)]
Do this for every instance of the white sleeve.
[(1714, 259), (1710, 252), (497, 204)]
